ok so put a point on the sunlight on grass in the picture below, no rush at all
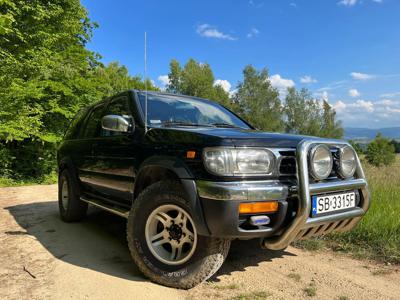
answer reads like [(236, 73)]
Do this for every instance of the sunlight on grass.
[(377, 236)]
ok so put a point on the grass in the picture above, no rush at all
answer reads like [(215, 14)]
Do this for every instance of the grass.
[(295, 276), (311, 290), (377, 236), (48, 179), (231, 286), (256, 295)]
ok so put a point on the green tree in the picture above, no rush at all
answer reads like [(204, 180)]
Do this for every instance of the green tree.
[(174, 77), (113, 79), (46, 76), (257, 101), (195, 79), (380, 152), (46, 69), (302, 112), (331, 127), (304, 115)]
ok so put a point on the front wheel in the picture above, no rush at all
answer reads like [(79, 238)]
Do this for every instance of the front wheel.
[(163, 239)]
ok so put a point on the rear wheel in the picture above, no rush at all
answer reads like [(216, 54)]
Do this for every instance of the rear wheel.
[(71, 208), (164, 242)]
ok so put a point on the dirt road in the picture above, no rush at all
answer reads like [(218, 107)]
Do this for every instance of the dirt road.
[(44, 258)]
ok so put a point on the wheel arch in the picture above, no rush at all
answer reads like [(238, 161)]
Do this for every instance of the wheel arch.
[(160, 168)]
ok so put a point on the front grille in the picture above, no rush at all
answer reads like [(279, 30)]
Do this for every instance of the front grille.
[(287, 164)]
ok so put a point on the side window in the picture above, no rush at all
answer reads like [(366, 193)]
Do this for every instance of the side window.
[(118, 107), (93, 123)]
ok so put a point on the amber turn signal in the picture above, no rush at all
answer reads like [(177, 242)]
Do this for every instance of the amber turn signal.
[(258, 207), (190, 154)]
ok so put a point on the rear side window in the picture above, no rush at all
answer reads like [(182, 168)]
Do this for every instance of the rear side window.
[(93, 122), (75, 125)]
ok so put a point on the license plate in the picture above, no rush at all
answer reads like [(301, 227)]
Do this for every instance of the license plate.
[(335, 202)]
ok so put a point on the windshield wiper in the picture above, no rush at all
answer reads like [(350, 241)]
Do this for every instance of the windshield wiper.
[(180, 123), (225, 125)]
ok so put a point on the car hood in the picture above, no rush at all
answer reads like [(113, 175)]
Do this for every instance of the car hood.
[(224, 136)]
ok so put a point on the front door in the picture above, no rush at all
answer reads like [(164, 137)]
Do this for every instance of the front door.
[(109, 168)]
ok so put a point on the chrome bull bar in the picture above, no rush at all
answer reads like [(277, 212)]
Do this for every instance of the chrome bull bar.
[(303, 225)]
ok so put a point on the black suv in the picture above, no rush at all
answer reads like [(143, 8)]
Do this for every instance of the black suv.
[(197, 176)]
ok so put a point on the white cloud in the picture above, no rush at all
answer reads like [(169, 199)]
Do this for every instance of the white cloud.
[(322, 95), (361, 76), (225, 84), (354, 2), (347, 2), (362, 113), (292, 4), (339, 106), (208, 31), (281, 84), (307, 79), (256, 3), (163, 79), (390, 95), (354, 93), (253, 33), (366, 105), (357, 106)]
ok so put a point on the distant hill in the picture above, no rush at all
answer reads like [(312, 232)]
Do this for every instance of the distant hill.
[(353, 133)]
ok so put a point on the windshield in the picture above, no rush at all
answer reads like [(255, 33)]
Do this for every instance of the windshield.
[(169, 110)]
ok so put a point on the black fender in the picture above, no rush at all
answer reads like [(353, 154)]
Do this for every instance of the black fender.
[(182, 172), (171, 163)]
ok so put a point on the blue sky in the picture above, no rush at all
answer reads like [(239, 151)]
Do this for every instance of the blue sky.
[(345, 51)]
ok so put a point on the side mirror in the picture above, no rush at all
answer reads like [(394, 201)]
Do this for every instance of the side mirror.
[(117, 123)]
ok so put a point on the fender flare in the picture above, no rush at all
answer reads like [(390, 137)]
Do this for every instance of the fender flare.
[(182, 172)]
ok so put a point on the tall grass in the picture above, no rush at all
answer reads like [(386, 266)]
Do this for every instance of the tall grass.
[(377, 236)]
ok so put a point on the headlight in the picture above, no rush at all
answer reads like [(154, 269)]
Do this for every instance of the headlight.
[(321, 162), (238, 162), (347, 162)]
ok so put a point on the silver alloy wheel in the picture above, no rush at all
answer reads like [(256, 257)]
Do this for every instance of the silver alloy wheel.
[(170, 234), (64, 195)]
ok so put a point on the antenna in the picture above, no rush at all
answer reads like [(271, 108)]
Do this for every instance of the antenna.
[(145, 82)]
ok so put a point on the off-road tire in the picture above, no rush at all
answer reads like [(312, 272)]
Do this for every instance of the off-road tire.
[(76, 209), (207, 258)]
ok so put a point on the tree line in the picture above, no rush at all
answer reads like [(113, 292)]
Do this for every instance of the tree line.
[(257, 101), (47, 74)]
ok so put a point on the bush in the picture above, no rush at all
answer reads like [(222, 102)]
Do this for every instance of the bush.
[(396, 145), (27, 160), (6, 161), (357, 147), (380, 152)]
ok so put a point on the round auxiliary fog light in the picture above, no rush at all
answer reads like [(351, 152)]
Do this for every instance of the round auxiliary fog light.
[(320, 162), (347, 162)]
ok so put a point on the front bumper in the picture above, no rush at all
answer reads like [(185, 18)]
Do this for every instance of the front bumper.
[(220, 202)]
